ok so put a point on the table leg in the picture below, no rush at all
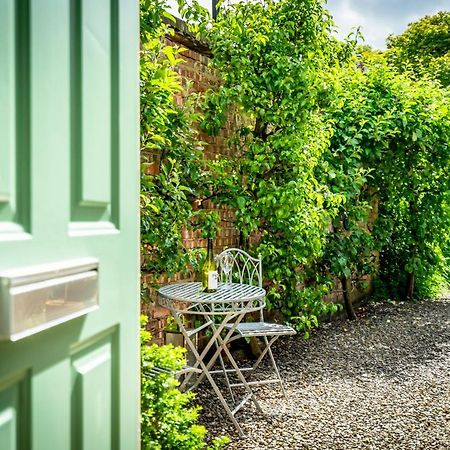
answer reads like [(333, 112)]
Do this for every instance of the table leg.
[(222, 346), (206, 372), (202, 357), (212, 341)]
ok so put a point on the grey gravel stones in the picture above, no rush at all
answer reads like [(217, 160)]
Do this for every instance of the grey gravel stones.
[(382, 382)]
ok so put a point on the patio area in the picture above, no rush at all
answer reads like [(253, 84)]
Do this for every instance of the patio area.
[(382, 382)]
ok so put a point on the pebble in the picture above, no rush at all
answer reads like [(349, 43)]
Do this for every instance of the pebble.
[(379, 383)]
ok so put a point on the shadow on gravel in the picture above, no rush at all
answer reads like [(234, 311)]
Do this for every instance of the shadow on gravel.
[(381, 382), (387, 340)]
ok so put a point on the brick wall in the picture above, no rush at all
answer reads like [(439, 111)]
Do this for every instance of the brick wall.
[(195, 71)]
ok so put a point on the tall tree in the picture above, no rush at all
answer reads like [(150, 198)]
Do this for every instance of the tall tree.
[(270, 56), (424, 48)]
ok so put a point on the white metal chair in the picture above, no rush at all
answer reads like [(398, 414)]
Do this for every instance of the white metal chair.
[(248, 270)]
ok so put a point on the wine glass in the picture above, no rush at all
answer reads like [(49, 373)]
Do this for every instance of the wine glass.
[(226, 264)]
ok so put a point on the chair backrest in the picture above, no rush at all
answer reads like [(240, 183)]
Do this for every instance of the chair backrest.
[(245, 268)]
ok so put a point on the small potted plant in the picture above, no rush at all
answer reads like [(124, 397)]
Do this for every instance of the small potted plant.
[(173, 334)]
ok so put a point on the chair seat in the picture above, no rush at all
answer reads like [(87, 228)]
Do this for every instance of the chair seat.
[(248, 329)]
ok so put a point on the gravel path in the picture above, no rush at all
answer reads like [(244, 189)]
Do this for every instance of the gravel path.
[(382, 382)]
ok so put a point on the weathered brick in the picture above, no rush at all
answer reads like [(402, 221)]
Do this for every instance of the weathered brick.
[(158, 312), (198, 77)]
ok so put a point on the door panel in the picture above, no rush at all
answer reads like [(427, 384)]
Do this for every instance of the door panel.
[(13, 411), (96, 102), (7, 107), (94, 425), (14, 113), (94, 113), (9, 410), (68, 160)]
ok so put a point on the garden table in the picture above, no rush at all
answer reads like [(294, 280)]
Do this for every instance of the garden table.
[(228, 305)]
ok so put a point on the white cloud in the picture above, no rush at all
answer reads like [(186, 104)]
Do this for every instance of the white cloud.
[(380, 18)]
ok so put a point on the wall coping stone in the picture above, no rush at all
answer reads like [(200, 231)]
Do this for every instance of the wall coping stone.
[(186, 38)]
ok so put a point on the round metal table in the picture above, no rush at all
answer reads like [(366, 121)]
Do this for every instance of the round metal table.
[(189, 298), (231, 302)]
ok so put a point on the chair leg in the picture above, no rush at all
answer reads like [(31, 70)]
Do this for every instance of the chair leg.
[(267, 350), (268, 344), (275, 367)]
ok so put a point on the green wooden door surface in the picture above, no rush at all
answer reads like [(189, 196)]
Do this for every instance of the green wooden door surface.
[(69, 190)]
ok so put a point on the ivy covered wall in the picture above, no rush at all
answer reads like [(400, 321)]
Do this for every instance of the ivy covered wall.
[(197, 76), (330, 162)]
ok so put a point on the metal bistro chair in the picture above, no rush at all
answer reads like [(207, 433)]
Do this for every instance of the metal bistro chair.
[(246, 269)]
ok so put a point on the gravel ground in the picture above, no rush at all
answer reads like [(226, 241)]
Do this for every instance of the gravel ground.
[(382, 382)]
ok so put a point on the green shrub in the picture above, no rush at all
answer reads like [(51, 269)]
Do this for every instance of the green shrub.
[(168, 420), (423, 48), (325, 141), (396, 132)]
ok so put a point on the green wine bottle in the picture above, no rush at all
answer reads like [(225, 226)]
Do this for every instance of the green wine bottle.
[(209, 270)]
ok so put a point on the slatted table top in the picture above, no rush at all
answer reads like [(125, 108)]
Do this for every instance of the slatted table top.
[(192, 292)]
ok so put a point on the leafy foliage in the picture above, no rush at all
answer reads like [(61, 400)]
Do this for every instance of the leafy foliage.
[(349, 249), (413, 179), (173, 172), (395, 134), (168, 421), (424, 48), (325, 143), (270, 56), (325, 139)]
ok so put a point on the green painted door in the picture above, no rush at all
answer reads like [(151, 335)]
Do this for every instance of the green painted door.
[(69, 198)]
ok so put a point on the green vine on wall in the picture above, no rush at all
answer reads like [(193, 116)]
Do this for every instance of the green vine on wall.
[(325, 139), (173, 174), (270, 57), (324, 136)]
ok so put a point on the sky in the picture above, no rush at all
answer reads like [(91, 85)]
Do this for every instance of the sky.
[(380, 18), (377, 18)]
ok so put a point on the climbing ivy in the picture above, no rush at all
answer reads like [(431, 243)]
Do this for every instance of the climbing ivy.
[(323, 137), (173, 173), (411, 178), (270, 56), (395, 133), (339, 163)]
